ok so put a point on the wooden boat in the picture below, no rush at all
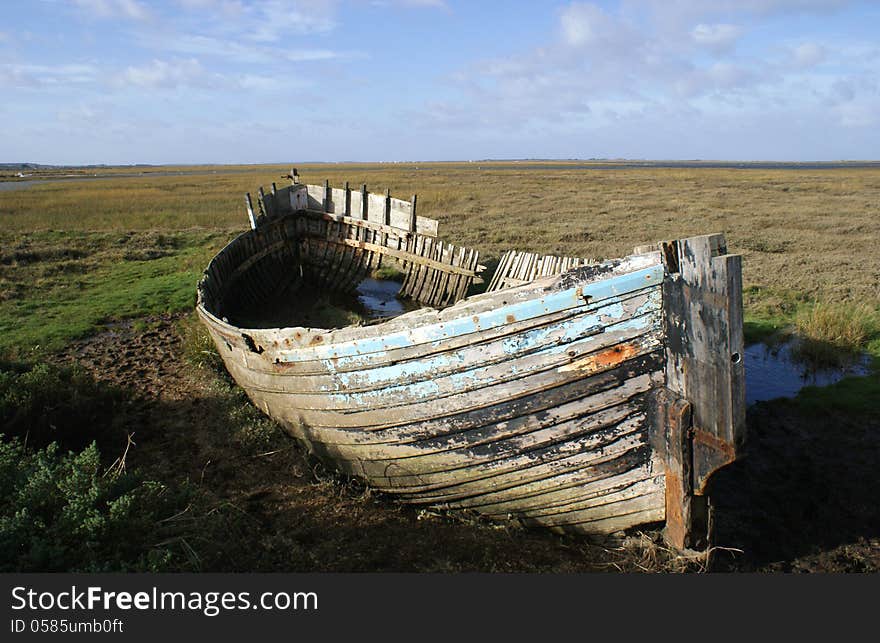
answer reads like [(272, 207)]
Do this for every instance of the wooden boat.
[(585, 397)]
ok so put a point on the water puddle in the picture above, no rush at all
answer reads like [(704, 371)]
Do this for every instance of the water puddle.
[(378, 297), (777, 371)]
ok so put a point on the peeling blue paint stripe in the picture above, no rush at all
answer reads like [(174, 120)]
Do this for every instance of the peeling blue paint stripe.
[(471, 379), (514, 346), (442, 331)]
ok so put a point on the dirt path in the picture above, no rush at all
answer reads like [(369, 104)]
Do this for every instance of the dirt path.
[(805, 499)]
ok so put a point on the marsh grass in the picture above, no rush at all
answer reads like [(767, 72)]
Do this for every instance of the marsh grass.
[(79, 254), (57, 286), (831, 333), (77, 257), (388, 273), (813, 232)]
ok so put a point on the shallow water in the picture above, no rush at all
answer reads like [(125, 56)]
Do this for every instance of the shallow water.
[(379, 298), (521, 165), (775, 371), (38, 180)]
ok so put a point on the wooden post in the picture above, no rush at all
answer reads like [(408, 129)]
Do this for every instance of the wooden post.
[(346, 208), (327, 195), (250, 210), (412, 214), (364, 201), (702, 306), (261, 203)]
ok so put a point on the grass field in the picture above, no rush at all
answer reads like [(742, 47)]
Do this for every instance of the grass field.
[(80, 259)]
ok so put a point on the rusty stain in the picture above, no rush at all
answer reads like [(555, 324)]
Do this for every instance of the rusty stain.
[(510, 319), (676, 526), (602, 360), (715, 443), (317, 339)]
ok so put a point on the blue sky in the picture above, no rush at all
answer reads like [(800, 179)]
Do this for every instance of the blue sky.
[(238, 81)]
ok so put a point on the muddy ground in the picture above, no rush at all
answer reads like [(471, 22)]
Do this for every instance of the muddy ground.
[(805, 498)]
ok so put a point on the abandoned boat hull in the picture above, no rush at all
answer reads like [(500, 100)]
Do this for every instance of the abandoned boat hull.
[(537, 403)]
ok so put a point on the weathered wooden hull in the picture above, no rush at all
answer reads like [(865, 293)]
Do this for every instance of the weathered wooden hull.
[(537, 403)]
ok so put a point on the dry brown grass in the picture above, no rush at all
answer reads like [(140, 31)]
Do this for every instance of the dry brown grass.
[(813, 232)]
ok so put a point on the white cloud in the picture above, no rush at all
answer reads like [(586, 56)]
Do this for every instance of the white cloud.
[(166, 75), (585, 25), (189, 74), (129, 9), (229, 7), (695, 10), (310, 55), (808, 54), (82, 115), (608, 65), (29, 75), (859, 114), (717, 36), (418, 4), (272, 20), (235, 50)]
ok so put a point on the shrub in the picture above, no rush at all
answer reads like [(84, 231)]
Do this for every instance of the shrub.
[(59, 512), (43, 403)]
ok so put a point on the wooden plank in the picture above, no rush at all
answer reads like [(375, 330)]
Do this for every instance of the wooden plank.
[(315, 195), (338, 201), (250, 210), (376, 208), (447, 393), (506, 416), (704, 369), (533, 456), (499, 270), (611, 279), (705, 363), (299, 198), (429, 227), (401, 215)]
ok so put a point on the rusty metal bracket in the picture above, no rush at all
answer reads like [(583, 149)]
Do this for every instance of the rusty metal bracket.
[(687, 520)]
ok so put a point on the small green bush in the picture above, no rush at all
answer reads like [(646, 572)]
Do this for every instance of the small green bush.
[(60, 512), (42, 403)]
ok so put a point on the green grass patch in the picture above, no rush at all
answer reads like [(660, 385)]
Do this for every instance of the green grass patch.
[(769, 313), (859, 395), (827, 331), (48, 298), (388, 273), (832, 332)]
